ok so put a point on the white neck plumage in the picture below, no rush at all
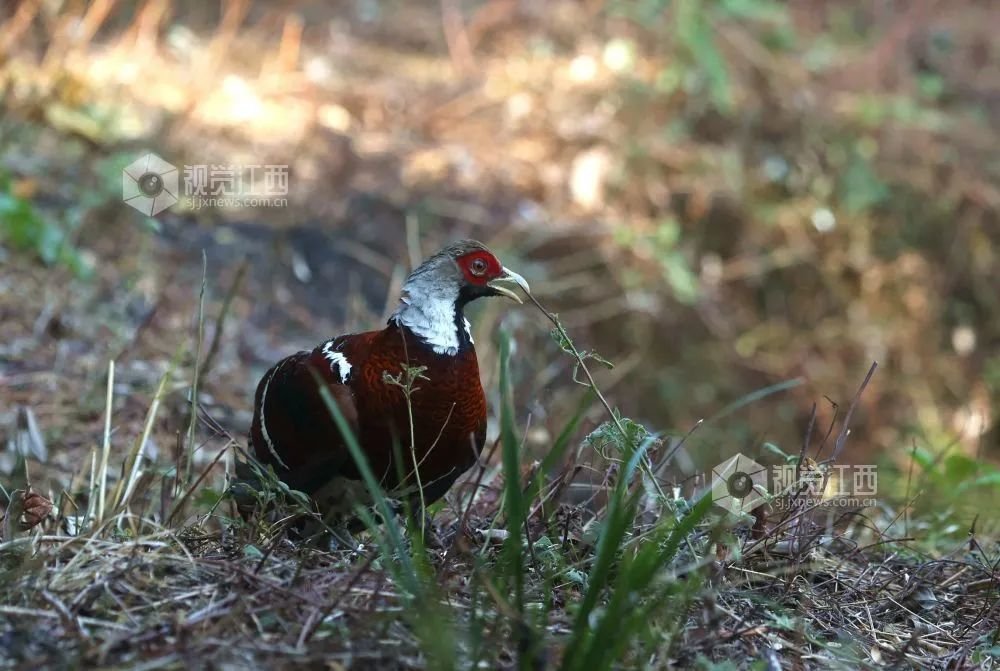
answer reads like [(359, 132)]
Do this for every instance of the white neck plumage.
[(429, 312)]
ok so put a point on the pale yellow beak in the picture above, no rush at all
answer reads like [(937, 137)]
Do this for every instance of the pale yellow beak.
[(509, 276)]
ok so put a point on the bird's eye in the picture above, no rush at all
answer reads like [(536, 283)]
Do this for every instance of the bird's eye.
[(478, 267)]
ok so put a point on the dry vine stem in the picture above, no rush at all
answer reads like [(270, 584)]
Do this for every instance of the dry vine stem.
[(580, 362)]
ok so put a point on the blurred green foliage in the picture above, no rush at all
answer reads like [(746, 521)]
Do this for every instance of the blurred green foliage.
[(663, 244), (814, 195), (25, 228), (52, 232), (956, 474)]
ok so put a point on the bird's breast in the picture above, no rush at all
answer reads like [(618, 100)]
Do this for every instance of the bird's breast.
[(441, 412)]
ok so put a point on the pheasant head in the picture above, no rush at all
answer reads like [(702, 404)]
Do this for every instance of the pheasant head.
[(435, 294)]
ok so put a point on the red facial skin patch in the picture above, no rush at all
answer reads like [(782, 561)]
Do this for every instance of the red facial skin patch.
[(467, 262)]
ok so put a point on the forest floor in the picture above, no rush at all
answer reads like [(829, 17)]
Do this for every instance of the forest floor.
[(772, 219)]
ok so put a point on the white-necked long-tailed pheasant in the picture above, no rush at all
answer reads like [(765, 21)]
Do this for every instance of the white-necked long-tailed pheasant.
[(294, 432)]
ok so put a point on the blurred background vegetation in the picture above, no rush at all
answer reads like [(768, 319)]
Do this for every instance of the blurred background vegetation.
[(720, 196)]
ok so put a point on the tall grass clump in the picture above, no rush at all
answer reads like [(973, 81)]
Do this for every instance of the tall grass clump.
[(625, 598)]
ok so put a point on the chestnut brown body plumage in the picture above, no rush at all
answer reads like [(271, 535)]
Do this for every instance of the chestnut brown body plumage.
[(294, 432)]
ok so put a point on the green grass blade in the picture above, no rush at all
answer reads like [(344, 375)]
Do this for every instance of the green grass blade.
[(620, 515), (514, 503), (410, 570), (754, 396), (565, 438), (623, 622), (394, 534)]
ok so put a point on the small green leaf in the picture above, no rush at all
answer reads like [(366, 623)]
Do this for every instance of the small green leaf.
[(774, 449), (959, 468), (252, 552), (860, 187), (562, 340)]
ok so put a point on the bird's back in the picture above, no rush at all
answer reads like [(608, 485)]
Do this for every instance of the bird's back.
[(294, 431)]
